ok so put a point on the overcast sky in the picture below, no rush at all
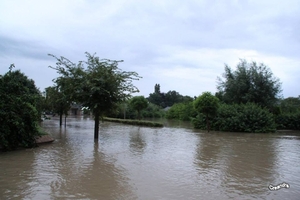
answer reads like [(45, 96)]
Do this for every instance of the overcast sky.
[(181, 45)]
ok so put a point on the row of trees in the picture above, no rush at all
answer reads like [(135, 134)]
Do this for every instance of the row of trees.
[(248, 100), (249, 83), (166, 99), (97, 84)]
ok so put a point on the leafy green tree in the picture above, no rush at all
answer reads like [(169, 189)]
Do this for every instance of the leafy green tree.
[(58, 102), (19, 116), (251, 82), (167, 99), (207, 104), (182, 111), (153, 111), (100, 87), (289, 115), (156, 97), (138, 103), (290, 105)]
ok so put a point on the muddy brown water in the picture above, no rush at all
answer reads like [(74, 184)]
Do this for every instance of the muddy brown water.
[(130, 162)]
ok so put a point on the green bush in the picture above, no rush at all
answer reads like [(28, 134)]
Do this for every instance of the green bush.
[(181, 111), (288, 121), (18, 114), (247, 117), (153, 111)]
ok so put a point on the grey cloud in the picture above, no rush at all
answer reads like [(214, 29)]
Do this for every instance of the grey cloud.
[(24, 48)]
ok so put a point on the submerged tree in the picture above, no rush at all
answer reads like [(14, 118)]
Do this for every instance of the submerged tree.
[(251, 82), (207, 104), (138, 103), (99, 87), (58, 102)]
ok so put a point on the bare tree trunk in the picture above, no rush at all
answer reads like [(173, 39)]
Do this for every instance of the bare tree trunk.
[(65, 120), (124, 111), (207, 123), (60, 119), (96, 128)]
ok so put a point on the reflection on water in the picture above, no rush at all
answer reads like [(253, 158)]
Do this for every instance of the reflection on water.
[(131, 162)]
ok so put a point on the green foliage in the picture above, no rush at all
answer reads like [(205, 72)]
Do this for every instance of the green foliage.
[(290, 105), (138, 103), (289, 121), (249, 83), (153, 111), (207, 104), (100, 87), (167, 99), (247, 117), (289, 115), (181, 111), (19, 116), (57, 101)]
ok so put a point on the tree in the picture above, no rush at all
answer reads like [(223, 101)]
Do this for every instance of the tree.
[(208, 105), (290, 105), (182, 111), (249, 83), (173, 97), (99, 87), (167, 99), (156, 97), (19, 115), (58, 102), (157, 89), (138, 103)]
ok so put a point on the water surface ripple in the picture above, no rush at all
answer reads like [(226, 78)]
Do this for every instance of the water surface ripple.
[(130, 162)]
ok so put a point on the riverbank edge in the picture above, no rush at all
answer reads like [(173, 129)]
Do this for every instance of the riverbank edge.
[(134, 122), (44, 139)]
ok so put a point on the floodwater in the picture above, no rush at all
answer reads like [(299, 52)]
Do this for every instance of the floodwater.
[(131, 162)]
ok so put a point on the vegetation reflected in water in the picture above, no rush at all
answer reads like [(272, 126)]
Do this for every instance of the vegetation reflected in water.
[(131, 162)]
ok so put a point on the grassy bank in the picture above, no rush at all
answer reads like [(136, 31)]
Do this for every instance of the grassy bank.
[(134, 122)]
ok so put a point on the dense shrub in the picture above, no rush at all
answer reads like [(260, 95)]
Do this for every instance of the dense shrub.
[(239, 118), (18, 114), (181, 111), (288, 121), (153, 111)]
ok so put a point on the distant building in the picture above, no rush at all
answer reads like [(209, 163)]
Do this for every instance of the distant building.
[(75, 110)]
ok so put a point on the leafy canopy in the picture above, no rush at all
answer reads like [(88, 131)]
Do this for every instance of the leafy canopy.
[(19, 115), (207, 104), (99, 86), (251, 82), (138, 103)]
